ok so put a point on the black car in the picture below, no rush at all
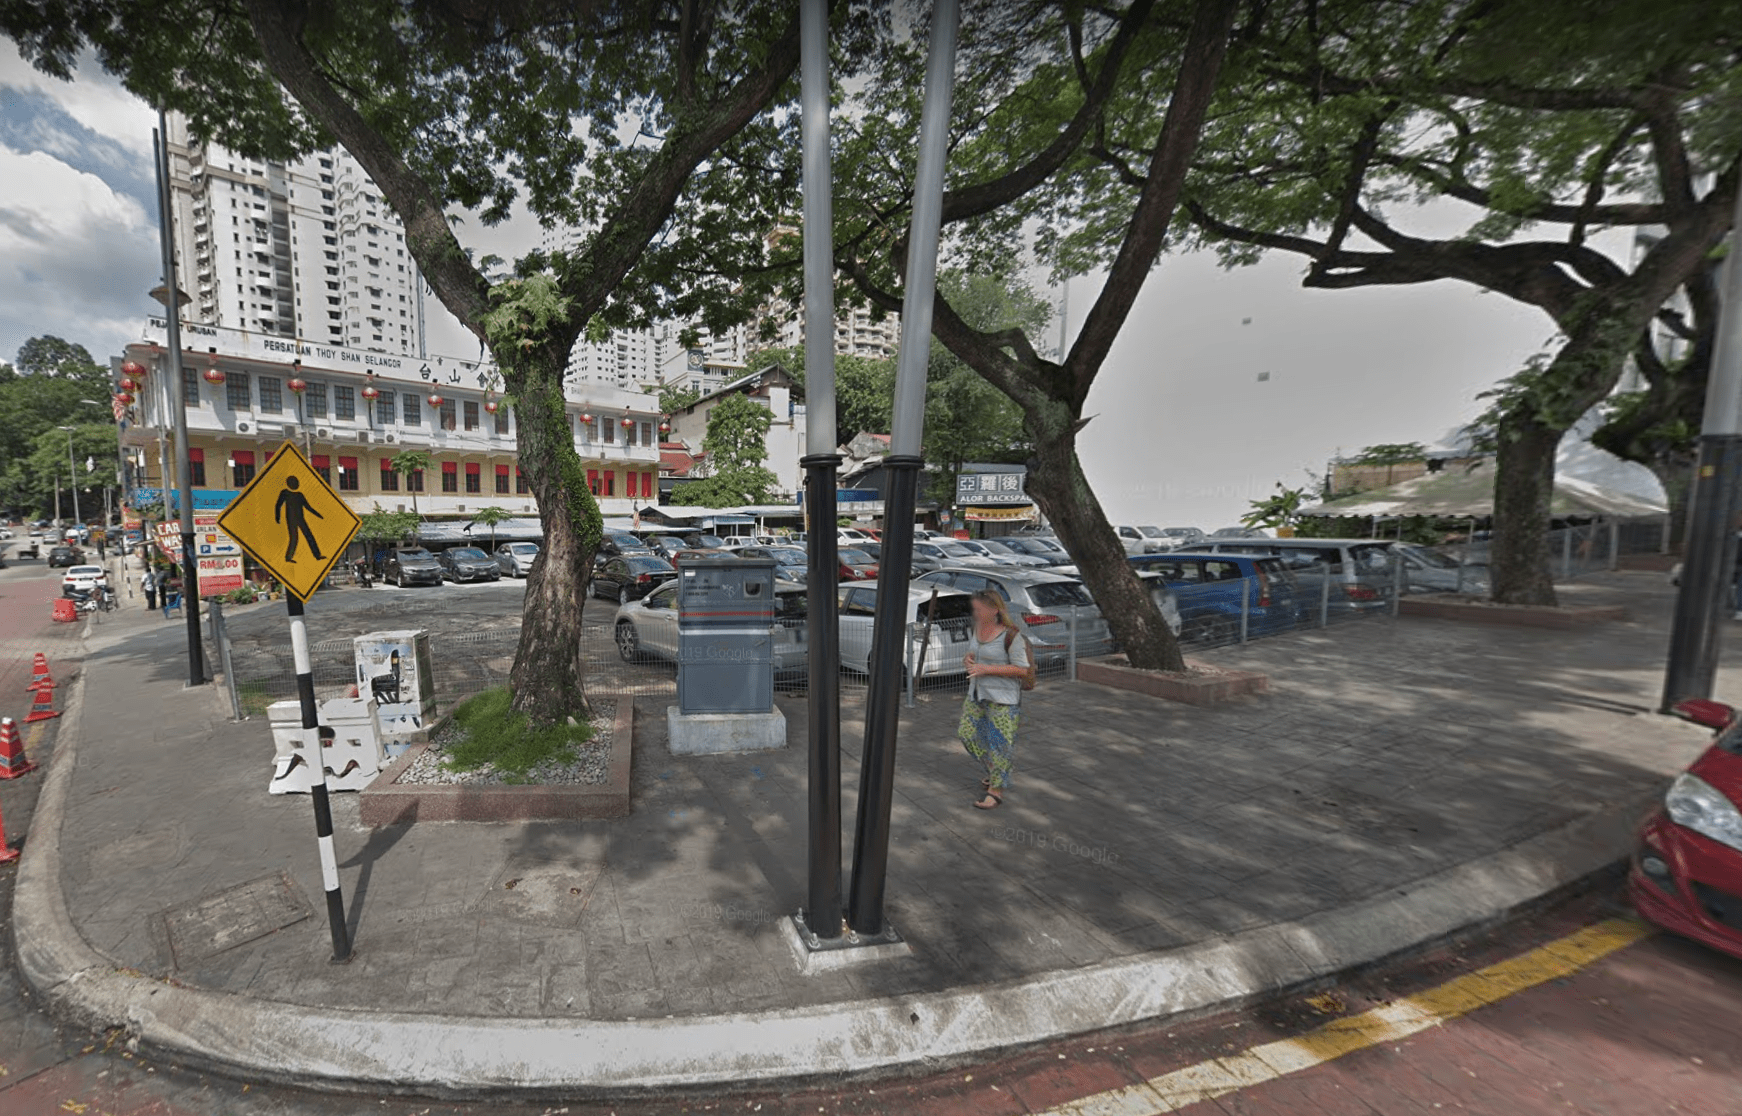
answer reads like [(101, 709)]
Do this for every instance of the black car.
[(790, 562), (65, 556), (617, 544), (412, 565), (664, 546), (630, 577), (468, 563)]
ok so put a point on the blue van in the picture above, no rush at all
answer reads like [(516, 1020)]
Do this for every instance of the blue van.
[(1211, 589)]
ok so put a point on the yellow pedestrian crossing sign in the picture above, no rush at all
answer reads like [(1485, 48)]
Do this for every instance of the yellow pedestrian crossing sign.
[(291, 521)]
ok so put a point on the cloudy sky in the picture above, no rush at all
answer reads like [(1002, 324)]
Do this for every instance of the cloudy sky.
[(1186, 432)]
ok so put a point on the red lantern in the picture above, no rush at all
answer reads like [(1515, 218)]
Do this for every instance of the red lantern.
[(297, 384), (586, 418), (369, 391), (628, 423), (128, 383), (490, 405), (214, 375), (126, 398), (665, 424), (435, 399), (132, 368)]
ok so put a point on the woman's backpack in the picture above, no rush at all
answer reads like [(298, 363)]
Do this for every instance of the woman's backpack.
[(1029, 678)]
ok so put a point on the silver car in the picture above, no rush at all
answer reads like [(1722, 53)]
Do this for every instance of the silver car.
[(1426, 570), (516, 558), (1045, 605), (950, 553), (940, 626), (1009, 555), (647, 629)]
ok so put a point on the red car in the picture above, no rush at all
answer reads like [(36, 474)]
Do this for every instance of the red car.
[(856, 565), (1687, 871)]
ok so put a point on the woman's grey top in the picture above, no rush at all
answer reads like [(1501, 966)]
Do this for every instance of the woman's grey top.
[(999, 688)]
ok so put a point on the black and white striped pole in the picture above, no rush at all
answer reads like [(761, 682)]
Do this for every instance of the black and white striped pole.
[(311, 739)]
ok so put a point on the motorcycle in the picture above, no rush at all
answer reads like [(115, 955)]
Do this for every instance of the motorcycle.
[(91, 600)]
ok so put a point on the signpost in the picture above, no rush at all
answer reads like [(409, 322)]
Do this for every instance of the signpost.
[(296, 526), (216, 554)]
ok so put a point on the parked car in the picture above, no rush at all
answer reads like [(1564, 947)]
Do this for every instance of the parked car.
[(1136, 542), (646, 629), (1686, 871), (621, 542), (83, 578), (665, 546), (851, 535), (412, 565), (856, 565), (1181, 537), (1211, 590), (950, 553), (515, 559), (1238, 532), (630, 577), (1045, 605), (468, 563), (950, 615), (65, 556), (1001, 551), (1043, 547), (691, 553), (1426, 570), (791, 563), (1359, 570), (698, 541)]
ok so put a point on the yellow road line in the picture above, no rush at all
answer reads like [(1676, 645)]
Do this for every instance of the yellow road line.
[(1219, 1077)]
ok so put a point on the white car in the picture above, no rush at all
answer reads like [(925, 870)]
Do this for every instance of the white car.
[(851, 535), (83, 577), (646, 629), (515, 559), (945, 643), (1136, 542)]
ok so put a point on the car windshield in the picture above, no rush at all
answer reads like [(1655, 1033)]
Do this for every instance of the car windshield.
[(974, 548), (1372, 558), (648, 562), (1047, 545), (1431, 557), (787, 555), (1182, 532), (524, 548), (85, 571), (855, 557), (466, 554), (404, 554), (1153, 532), (1059, 594), (710, 540), (995, 547), (957, 550)]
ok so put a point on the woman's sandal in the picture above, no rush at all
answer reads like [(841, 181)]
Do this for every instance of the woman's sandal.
[(997, 800)]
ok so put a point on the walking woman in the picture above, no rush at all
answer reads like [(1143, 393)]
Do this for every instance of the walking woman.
[(998, 661)]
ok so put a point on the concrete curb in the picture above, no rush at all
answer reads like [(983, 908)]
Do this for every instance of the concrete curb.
[(340, 1050)]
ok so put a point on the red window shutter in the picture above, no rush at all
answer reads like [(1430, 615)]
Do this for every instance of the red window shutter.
[(320, 461), (647, 485), (593, 480), (243, 457), (197, 455), (501, 470), (349, 464), (473, 468), (450, 466)]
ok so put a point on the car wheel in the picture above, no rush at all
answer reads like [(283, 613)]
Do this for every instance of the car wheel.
[(623, 594), (628, 642)]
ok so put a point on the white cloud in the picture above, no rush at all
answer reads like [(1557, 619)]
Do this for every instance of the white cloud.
[(94, 98), (76, 258)]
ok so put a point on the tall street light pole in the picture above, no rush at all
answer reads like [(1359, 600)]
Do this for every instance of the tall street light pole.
[(190, 584), (73, 476)]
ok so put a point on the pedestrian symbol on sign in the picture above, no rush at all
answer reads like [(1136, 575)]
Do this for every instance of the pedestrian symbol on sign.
[(291, 509)]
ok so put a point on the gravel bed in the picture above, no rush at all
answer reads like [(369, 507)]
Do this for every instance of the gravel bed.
[(591, 764)]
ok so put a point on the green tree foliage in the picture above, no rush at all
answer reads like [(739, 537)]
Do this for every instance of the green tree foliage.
[(1390, 453), (490, 517), (405, 463), (1554, 120), (640, 123), (46, 388), (864, 388), (1280, 509), (674, 399), (736, 445), (390, 528), (966, 418)]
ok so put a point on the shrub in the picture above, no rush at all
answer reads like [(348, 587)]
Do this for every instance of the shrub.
[(495, 735)]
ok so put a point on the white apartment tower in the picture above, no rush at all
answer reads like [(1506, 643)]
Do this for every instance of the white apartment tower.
[(307, 249)]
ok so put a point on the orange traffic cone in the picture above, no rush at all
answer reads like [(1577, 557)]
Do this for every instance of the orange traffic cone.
[(13, 761), (42, 705), (7, 853), (39, 672)]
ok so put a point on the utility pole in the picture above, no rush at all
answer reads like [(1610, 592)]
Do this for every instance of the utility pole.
[(1709, 564)]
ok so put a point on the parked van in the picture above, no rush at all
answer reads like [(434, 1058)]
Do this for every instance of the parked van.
[(1212, 590), (1359, 570)]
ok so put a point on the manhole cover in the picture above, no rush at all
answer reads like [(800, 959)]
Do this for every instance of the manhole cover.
[(228, 918)]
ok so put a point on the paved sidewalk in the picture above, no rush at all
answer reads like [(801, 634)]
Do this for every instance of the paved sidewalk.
[(1388, 754)]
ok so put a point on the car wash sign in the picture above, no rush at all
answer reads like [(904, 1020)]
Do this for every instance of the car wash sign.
[(991, 485)]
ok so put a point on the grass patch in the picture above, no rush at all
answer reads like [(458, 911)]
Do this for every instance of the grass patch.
[(495, 735), (253, 698)]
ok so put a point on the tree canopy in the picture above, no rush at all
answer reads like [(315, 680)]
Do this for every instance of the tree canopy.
[(53, 383), (736, 445)]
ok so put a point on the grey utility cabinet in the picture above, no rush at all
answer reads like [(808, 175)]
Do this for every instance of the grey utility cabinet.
[(725, 621)]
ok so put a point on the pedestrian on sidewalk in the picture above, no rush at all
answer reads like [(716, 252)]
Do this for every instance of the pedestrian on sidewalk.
[(148, 585), (998, 660)]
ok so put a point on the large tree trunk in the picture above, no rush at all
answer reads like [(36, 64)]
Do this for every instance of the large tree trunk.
[(1523, 491), (548, 680), (1064, 494)]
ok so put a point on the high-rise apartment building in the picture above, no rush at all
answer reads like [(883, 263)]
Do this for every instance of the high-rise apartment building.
[(307, 249)]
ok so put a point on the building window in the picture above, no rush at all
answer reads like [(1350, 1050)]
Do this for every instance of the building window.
[(350, 477), (629, 435), (384, 408), (471, 414), (322, 465), (389, 478), (413, 410), (197, 467), (607, 430), (241, 468), (502, 479), (190, 387), (314, 401), (271, 396), (585, 429), (647, 433), (236, 391), (344, 401), (610, 482), (474, 478), (520, 485), (450, 476), (414, 481), (448, 417), (502, 419)]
